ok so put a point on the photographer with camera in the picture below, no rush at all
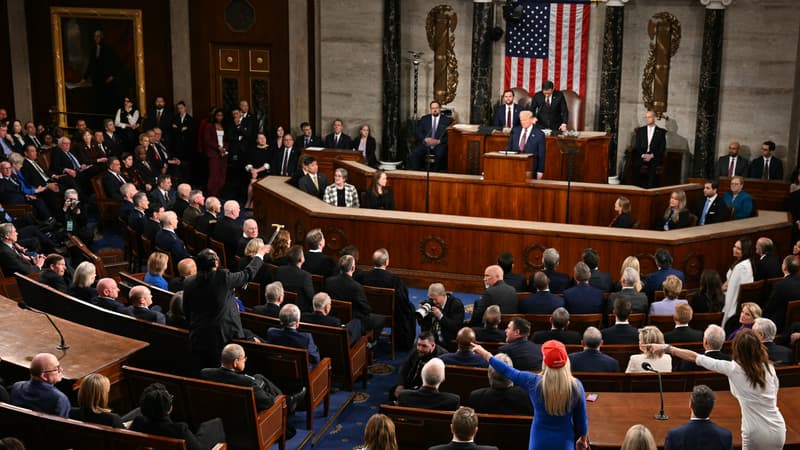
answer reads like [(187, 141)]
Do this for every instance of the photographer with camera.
[(442, 314), (73, 217)]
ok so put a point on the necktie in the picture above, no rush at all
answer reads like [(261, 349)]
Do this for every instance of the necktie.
[(36, 142), (316, 182), (75, 164), (765, 174), (508, 117), (38, 169), (13, 180), (158, 116), (434, 126), (307, 139), (523, 140), (285, 163), (119, 178), (705, 211), (335, 141), (548, 102), (730, 167), (156, 153)]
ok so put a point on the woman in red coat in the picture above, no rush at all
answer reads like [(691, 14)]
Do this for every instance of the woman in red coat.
[(216, 149)]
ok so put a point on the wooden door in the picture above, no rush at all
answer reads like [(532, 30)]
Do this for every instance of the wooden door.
[(242, 73)]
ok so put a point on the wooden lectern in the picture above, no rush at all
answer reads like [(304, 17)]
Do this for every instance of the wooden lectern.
[(507, 167)]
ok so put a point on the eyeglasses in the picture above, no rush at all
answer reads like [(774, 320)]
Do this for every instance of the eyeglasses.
[(57, 369)]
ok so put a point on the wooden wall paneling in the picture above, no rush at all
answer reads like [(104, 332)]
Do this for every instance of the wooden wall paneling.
[(6, 78)]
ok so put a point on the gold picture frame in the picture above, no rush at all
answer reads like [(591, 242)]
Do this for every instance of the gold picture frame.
[(75, 22)]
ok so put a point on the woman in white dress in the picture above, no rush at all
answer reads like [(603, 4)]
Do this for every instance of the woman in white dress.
[(657, 359), (754, 384), (741, 271)]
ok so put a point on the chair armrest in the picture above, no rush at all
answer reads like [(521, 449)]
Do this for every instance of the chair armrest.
[(319, 380), (271, 422)]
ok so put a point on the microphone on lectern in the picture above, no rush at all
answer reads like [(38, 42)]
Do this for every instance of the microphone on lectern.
[(649, 368), (62, 345)]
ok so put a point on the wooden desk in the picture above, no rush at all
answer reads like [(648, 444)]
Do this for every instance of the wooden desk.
[(465, 151), (326, 156), (613, 413), (507, 167)]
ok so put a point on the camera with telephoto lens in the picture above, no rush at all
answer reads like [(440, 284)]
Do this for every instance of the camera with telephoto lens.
[(424, 309)]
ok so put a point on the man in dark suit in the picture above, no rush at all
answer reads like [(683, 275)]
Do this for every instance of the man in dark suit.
[(228, 230), (731, 164), (591, 359), (655, 281), (497, 293), (446, 316), (321, 316), (338, 139), (621, 332), (11, 258), (11, 192), (112, 179), (208, 220), (515, 280), (138, 215), (431, 139), (765, 330), (649, 146), (502, 396), (525, 354), (682, 331), (181, 199), (107, 292), (379, 276), (638, 300), (317, 262), (152, 222), (597, 278), (766, 167), (284, 162), (767, 265), (428, 395), (111, 139), (711, 208), (559, 321), (141, 299), (309, 139), (550, 108), (583, 298), (37, 177), (410, 374), (183, 132), (464, 427), (344, 287), (713, 340), (542, 301), (295, 279), (163, 192), (159, 116), (527, 138), (126, 206), (167, 240), (783, 292), (273, 293), (506, 114), (700, 433), (559, 282), (313, 182), (288, 335), (464, 355)]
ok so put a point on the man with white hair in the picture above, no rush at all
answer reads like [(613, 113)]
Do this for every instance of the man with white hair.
[(713, 340), (639, 304), (248, 232), (288, 335), (321, 316), (228, 230), (765, 330), (208, 220), (141, 299), (428, 395), (182, 200), (274, 295), (128, 190), (195, 207), (39, 393), (167, 240), (502, 396)]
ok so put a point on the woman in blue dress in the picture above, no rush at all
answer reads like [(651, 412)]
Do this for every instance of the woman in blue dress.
[(559, 404)]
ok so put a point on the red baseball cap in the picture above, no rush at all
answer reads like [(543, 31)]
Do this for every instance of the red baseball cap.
[(555, 354)]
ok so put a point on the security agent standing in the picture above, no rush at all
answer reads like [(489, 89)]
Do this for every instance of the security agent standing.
[(442, 314)]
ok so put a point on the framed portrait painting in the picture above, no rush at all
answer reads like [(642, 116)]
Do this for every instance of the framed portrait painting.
[(98, 59)]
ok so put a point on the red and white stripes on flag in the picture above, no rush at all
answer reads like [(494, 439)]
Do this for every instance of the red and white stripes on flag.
[(565, 63)]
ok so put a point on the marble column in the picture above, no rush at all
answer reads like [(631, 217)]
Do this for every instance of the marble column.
[(181, 54), (480, 102), (611, 77), (705, 138), (391, 80), (20, 62)]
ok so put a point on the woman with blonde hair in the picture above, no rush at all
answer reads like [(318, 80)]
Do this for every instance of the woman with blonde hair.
[(264, 274), (672, 289), (83, 282), (156, 266), (750, 312), (633, 263), (659, 361), (379, 433), (638, 437), (558, 399), (753, 382), (93, 401), (676, 215)]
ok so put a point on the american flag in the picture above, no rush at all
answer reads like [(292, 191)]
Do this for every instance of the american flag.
[(549, 43)]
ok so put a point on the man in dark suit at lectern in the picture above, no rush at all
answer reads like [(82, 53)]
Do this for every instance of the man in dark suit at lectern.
[(432, 137), (506, 114), (528, 138), (648, 150)]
